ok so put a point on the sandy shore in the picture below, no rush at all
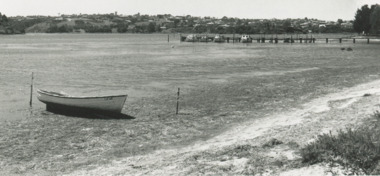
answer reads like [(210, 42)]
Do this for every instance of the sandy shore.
[(329, 113)]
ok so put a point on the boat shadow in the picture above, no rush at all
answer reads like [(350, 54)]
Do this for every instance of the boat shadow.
[(94, 115), (111, 116)]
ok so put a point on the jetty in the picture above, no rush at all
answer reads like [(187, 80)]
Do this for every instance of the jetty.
[(283, 39)]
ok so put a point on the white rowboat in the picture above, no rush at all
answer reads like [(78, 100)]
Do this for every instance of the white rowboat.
[(61, 102)]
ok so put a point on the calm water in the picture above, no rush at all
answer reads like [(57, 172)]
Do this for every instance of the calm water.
[(139, 65), (99, 64)]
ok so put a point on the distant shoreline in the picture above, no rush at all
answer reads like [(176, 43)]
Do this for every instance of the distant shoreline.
[(333, 36)]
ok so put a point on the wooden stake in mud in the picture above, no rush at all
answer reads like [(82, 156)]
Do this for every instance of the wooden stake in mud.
[(176, 112), (31, 91)]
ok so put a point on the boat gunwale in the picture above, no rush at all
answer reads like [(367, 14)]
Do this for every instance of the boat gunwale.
[(59, 95)]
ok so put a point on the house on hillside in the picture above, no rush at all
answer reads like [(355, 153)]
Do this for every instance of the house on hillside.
[(331, 23), (131, 27), (58, 19), (347, 25), (305, 25), (210, 23), (322, 24), (180, 17), (220, 22), (79, 31), (143, 23), (162, 21), (117, 19), (225, 25)]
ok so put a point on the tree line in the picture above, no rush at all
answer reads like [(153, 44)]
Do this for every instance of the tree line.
[(3, 19), (367, 20)]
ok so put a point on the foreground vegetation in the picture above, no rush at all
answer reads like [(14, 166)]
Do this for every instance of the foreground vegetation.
[(357, 150), (353, 151)]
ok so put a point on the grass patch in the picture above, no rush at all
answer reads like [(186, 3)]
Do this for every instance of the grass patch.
[(245, 159), (357, 150), (222, 161)]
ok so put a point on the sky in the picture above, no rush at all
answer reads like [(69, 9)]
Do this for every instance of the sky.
[(251, 9)]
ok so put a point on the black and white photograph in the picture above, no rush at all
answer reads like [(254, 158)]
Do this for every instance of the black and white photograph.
[(189, 87)]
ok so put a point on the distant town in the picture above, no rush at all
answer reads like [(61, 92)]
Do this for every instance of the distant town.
[(165, 23)]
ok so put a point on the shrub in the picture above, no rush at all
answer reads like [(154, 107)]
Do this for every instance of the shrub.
[(366, 95), (272, 143), (376, 114), (356, 150)]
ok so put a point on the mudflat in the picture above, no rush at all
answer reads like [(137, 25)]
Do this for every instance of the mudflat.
[(231, 94)]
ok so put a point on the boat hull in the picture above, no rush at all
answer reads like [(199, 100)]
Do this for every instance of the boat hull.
[(58, 102), (246, 40), (219, 40), (191, 38), (205, 40)]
